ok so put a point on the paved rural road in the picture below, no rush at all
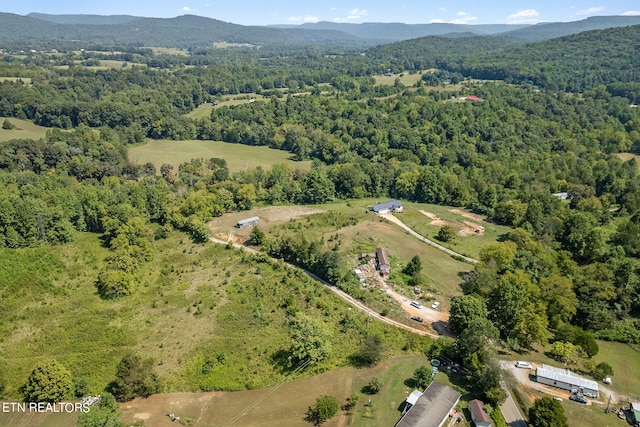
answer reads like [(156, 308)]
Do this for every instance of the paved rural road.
[(351, 300), (510, 411), (389, 217)]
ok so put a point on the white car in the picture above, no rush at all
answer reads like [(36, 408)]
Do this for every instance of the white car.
[(415, 304), (435, 305), (525, 365)]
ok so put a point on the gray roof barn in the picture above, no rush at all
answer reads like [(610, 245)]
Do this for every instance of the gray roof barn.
[(388, 206), (432, 409), (247, 222)]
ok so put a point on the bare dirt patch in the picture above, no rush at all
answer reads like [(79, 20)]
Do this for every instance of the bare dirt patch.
[(224, 227), (465, 228), (468, 215)]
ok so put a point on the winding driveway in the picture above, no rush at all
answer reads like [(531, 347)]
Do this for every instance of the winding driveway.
[(389, 217), (348, 298)]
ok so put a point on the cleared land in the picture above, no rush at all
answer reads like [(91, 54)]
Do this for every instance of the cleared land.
[(625, 157), (275, 407), (27, 80), (473, 231), (239, 157), (406, 78), (195, 306), (24, 130)]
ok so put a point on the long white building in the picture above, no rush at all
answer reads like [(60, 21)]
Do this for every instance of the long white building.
[(566, 380)]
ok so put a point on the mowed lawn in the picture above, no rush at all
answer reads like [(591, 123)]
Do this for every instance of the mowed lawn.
[(287, 404), (24, 130), (625, 361), (239, 157)]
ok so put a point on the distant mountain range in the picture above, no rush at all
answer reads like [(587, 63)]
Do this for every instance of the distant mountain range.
[(192, 31)]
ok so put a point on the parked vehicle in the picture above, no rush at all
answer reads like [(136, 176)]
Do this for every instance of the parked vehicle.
[(435, 305), (417, 319), (578, 399), (415, 304), (525, 365)]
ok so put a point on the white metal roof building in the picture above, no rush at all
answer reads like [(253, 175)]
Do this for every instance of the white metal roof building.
[(389, 206), (247, 222), (566, 380)]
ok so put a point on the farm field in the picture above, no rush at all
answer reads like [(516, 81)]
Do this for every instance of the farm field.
[(406, 78), (24, 129), (274, 407), (473, 231), (239, 157)]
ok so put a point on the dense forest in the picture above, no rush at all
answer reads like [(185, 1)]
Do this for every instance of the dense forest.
[(550, 119)]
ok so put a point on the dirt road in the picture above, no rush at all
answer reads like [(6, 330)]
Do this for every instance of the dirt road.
[(348, 298)]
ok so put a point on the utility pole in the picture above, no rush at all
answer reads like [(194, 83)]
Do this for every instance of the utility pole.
[(608, 403)]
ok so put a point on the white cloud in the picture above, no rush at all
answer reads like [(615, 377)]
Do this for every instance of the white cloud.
[(188, 9), (357, 13), (441, 9), (462, 18), (308, 18), (352, 15), (527, 16), (631, 13), (590, 11)]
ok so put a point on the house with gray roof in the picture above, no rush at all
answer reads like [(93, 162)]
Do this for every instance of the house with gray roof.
[(432, 408), (388, 206)]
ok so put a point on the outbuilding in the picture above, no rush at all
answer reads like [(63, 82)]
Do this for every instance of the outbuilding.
[(248, 222), (382, 261), (432, 408), (388, 206), (479, 415), (566, 380)]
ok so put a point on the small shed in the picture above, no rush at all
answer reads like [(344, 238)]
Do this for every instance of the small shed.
[(359, 275), (388, 206), (635, 409), (479, 415), (382, 261), (248, 222), (411, 400)]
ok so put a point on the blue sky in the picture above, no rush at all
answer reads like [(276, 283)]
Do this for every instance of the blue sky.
[(264, 12)]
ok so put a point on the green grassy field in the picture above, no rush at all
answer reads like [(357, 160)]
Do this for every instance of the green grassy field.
[(27, 80), (194, 303), (239, 157), (24, 129), (625, 361), (406, 79), (467, 242), (276, 407)]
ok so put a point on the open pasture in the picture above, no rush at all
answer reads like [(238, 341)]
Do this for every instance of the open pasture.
[(239, 157), (275, 407), (24, 130)]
